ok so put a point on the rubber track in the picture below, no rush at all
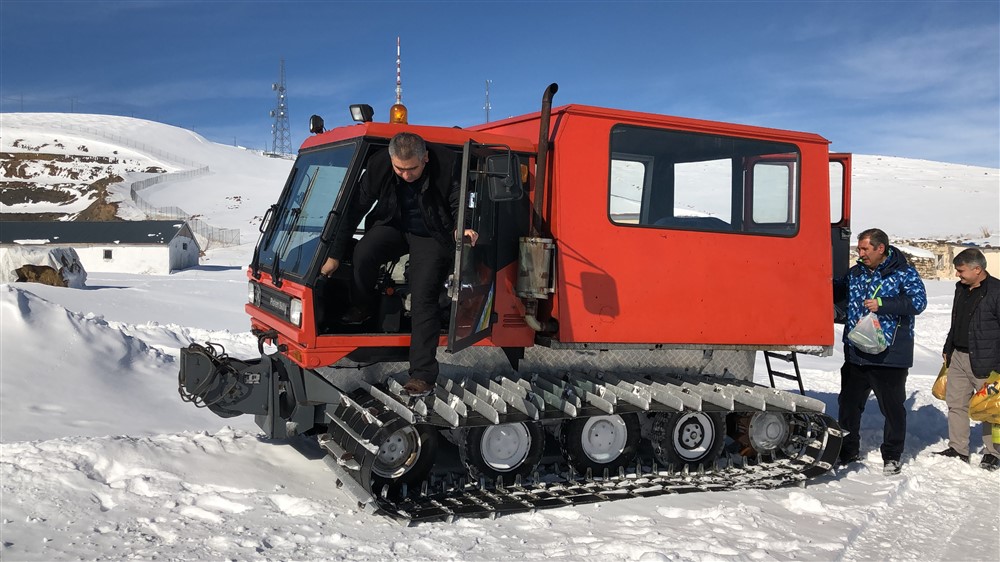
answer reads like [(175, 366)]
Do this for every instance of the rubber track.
[(362, 420)]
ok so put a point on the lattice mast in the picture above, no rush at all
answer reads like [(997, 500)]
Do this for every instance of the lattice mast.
[(281, 137), (397, 113)]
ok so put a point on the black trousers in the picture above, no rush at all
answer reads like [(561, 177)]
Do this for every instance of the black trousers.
[(429, 262), (857, 382)]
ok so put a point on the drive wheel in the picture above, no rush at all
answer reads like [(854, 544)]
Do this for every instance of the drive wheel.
[(601, 443), (688, 438), (404, 457), (503, 451)]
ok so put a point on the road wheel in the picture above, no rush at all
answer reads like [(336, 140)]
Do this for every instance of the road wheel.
[(600, 443), (688, 438), (503, 451)]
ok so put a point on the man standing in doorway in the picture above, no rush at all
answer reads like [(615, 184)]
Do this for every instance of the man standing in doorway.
[(416, 203), (885, 284), (971, 350)]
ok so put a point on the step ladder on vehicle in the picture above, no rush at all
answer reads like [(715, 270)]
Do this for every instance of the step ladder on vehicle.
[(789, 358)]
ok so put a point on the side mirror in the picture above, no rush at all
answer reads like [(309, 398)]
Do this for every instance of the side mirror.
[(503, 173)]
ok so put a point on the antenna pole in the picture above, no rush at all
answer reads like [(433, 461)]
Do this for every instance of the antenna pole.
[(487, 107), (399, 80)]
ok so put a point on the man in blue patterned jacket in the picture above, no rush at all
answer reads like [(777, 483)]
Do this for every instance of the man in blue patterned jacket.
[(885, 284)]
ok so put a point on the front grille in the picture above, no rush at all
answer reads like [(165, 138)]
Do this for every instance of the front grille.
[(273, 301)]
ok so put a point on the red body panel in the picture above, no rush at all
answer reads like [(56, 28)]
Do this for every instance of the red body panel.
[(624, 284)]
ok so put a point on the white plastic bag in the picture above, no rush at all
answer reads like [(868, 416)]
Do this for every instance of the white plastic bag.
[(867, 335)]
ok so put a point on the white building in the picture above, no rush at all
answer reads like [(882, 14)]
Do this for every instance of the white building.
[(147, 247)]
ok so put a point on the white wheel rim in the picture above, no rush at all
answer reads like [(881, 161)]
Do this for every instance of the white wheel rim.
[(397, 453), (504, 447), (603, 438), (768, 431), (693, 436)]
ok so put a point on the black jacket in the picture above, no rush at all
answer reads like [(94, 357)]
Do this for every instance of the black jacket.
[(984, 329), (438, 198)]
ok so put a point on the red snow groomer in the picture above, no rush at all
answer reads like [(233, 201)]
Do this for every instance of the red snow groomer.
[(600, 337)]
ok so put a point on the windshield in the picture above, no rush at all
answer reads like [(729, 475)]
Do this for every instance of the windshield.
[(317, 179)]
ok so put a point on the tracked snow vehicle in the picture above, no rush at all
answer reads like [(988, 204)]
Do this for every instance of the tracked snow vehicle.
[(601, 334)]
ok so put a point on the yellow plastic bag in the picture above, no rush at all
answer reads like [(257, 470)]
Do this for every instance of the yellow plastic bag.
[(940, 388), (985, 404)]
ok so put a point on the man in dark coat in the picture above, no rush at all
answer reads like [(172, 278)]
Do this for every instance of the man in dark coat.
[(971, 351), (416, 207), (885, 284)]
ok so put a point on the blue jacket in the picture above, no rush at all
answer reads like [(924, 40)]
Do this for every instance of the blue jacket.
[(903, 297)]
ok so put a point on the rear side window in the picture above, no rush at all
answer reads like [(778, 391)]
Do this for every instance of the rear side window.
[(693, 181)]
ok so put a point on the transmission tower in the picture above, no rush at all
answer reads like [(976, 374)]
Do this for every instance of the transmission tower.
[(281, 138)]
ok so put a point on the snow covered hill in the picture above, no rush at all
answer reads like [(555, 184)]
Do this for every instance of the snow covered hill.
[(237, 189), (100, 458)]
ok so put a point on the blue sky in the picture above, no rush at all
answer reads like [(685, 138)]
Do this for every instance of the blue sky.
[(910, 79)]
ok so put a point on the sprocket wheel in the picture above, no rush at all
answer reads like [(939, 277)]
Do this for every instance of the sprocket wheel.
[(405, 457)]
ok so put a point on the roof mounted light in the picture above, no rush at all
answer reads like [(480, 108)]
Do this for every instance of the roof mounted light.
[(362, 112), (397, 114), (316, 124)]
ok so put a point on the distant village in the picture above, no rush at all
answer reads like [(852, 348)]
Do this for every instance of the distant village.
[(932, 258)]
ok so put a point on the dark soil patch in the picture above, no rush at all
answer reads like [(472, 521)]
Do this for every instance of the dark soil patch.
[(18, 193)]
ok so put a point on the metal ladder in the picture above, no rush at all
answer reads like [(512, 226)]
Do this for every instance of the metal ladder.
[(789, 358)]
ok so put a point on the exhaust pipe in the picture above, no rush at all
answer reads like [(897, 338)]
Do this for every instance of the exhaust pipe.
[(541, 160), (537, 226)]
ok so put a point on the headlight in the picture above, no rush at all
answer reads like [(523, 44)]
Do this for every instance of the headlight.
[(252, 294), (295, 312), (768, 431)]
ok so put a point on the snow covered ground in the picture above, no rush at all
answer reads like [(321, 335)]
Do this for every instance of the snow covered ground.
[(100, 459)]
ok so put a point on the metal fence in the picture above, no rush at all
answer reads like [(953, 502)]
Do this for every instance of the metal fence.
[(208, 236), (130, 143)]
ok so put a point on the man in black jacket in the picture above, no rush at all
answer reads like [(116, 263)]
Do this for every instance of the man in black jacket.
[(416, 207), (971, 350)]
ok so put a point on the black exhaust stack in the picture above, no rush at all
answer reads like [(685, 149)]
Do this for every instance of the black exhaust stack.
[(542, 158)]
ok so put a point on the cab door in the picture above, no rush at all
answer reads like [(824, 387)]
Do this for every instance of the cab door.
[(840, 224), (472, 284)]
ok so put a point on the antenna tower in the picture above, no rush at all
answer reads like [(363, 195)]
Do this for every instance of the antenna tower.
[(399, 79), (487, 107), (398, 113), (281, 138)]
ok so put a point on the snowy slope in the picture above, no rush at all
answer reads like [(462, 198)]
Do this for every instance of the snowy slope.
[(100, 459), (235, 193)]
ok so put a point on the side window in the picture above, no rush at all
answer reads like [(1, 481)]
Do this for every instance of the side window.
[(772, 201), (701, 195), (692, 181), (628, 183), (836, 189)]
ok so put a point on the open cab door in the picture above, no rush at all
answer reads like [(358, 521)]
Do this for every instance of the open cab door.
[(840, 224), (490, 174)]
